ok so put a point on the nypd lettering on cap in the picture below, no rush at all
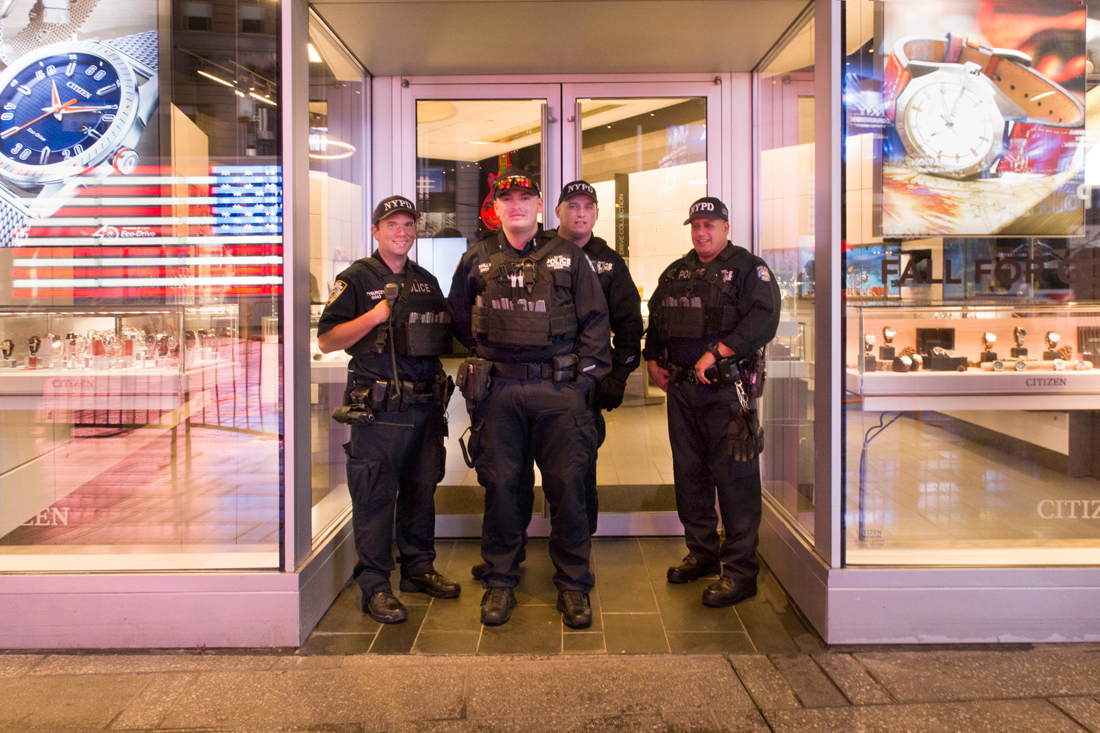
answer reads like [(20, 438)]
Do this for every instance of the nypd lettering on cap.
[(576, 188), (393, 205), (707, 208)]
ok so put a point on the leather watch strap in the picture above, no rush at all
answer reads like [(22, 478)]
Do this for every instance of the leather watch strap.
[(1044, 140)]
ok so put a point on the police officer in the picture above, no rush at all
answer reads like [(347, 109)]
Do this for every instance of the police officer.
[(528, 303), (389, 314), (711, 313), (578, 211)]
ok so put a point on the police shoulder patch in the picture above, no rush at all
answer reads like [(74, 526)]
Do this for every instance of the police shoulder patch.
[(337, 288), (763, 274)]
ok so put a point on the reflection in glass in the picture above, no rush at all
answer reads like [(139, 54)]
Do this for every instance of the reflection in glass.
[(981, 458), (339, 235), (785, 124)]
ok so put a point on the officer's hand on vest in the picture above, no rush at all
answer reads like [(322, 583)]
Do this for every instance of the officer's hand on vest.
[(381, 311), (611, 393), (746, 437)]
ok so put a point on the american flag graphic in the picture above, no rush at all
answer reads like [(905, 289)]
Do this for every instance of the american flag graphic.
[(156, 235)]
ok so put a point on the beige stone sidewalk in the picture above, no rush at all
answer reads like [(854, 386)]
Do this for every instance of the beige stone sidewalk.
[(928, 690)]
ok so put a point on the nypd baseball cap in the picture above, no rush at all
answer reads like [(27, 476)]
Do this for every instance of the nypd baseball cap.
[(393, 205), (707, 208), (576, 188), (514, 179)]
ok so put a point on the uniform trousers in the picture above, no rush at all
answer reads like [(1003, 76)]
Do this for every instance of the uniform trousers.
[(394, 465), (549, 422), (699, 418)]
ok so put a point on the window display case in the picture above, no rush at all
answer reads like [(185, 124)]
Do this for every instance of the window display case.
[(974, 357)]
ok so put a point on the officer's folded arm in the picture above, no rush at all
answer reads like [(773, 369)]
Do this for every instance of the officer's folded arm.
[(348, 333)]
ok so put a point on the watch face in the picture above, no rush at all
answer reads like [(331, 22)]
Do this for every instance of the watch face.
[(63, 108), (950, 123)]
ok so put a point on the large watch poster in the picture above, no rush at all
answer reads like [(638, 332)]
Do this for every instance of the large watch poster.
[(108, 189), (979, 116)]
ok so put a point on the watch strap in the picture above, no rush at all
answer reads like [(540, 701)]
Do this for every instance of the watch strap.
[(38, 32), (1042, 100), (141, 47), (11, 220)]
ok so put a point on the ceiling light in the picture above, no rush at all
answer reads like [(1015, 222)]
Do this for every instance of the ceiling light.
[(214, 78), (262, 99)]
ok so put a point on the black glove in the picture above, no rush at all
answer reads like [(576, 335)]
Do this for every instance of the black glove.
[(611, 393), (746, 437)]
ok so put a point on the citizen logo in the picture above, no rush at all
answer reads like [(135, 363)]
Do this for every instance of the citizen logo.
[(1045, 382), (82, 92), (1069, 509), (559, 262)]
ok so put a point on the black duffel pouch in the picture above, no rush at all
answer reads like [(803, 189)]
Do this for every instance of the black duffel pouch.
[(564, 368), (723, 372), (473, 378)]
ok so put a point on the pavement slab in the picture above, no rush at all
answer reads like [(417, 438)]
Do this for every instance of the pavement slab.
[(1085, 710), (982, 716), (27, 703), (320, 697), (764, 683), (16, 665), (605, 687), (813, 687), (150, 706), (91, 664), (931, 676), (852, 679)]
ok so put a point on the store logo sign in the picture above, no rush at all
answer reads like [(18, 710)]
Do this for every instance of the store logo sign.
[(1069, 509)]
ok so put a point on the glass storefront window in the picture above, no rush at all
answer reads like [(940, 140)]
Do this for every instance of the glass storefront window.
[(785, 130), (141, 252), (972, 307), (339, 230)]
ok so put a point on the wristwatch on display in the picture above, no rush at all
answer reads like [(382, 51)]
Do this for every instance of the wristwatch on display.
[(950, 99), (71, 113)]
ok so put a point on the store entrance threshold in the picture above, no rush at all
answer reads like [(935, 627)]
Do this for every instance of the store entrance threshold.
[(635, 611)]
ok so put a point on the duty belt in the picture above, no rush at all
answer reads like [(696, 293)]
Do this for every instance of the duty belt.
[(561, 368), (420, 393), (524, 371), (678, 375)]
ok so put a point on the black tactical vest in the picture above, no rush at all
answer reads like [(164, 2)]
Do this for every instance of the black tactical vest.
[(693, 305), (515, 307), (421, 322)]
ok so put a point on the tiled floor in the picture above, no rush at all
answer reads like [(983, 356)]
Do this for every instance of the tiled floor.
[(635, 611)]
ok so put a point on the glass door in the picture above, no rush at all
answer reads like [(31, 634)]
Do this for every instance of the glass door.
[(465, 135), (645, 149)]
